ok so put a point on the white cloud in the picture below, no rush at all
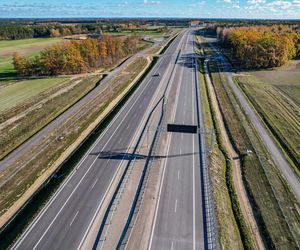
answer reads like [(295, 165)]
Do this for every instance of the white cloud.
[(280, 4), (252, 2), (296, 3)]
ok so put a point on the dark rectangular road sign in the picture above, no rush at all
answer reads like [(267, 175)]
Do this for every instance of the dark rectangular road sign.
[(179, 128)]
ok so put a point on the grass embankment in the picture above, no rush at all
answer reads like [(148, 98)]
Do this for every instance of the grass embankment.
[(233, 233), (274, 205), (35, 108), (229, 235), (26, 47), (68, 133), (13, 93), (275, 95)]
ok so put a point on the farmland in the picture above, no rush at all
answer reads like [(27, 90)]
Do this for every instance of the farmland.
[(26, 47), (277, 90)]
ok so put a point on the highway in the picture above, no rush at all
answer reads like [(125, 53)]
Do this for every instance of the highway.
[(65, 220), (178, 221)]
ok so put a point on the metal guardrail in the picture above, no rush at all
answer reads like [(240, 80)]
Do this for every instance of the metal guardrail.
[(210, 229)]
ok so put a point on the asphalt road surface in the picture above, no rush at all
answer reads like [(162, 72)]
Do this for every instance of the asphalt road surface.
[(178, 221), (66, 218)]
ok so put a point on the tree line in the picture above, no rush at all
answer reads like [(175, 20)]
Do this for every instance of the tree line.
[(22, 30), (257, 47), (76, 56), (14, 31)]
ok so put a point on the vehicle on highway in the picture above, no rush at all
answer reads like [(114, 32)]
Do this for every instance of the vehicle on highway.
[(156, 74)]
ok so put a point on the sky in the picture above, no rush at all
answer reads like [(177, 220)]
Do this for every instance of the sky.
[(257, 9)]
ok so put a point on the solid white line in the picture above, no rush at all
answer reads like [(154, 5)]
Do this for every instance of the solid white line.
[(74, 218), (175, 209), (194, 207), (165, 162), (94, 184)]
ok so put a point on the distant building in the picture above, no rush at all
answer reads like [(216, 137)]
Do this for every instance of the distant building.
[(195, 23), (94, 36), (76, 37)]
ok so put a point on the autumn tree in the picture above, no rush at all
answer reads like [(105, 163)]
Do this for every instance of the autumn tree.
[(20, 64), (76, 56), (54, 33), (72, 60)]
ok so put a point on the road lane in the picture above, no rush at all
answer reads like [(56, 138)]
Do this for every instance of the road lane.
[(181, 228)]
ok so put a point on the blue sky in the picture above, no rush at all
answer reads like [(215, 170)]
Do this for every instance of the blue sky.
[(277, 9)]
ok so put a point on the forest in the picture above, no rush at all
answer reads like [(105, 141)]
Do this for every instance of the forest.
[(14, 31), (21, 30), (261, 46), (76, 57)]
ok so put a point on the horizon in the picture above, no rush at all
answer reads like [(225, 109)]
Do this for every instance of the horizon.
[(149, 18), (205, 9)]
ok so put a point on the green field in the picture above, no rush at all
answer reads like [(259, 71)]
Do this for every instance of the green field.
[(275, 94), (26, 47), (19, 91), (27, 43)]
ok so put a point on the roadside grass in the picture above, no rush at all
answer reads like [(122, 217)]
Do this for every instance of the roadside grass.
[(20, 91), (276, 97), (271, 199), (229, 235), (69, 132), (24, 120)]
